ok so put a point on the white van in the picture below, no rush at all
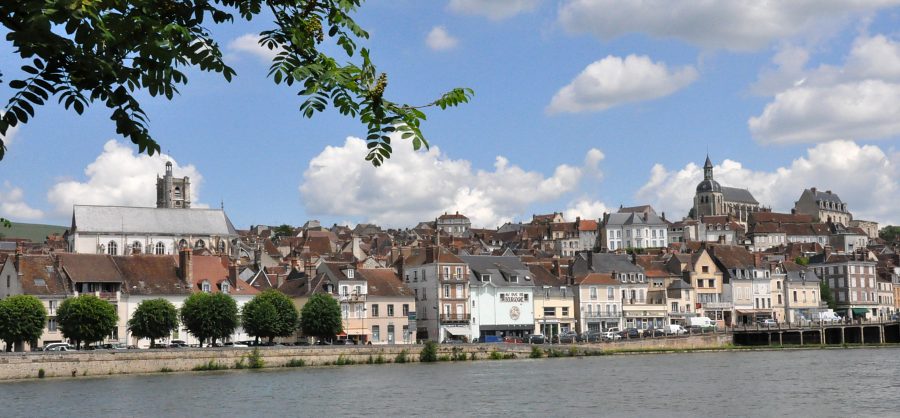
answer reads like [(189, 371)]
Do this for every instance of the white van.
[(675, 329), (58, 347)]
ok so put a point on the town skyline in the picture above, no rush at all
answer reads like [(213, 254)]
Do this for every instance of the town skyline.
[(736, 95)]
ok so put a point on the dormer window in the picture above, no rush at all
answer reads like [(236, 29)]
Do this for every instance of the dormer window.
[(513, 279), (226, 287), (205, 286), (485, 277), (349, 273)]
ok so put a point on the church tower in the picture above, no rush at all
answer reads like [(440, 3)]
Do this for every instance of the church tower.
[(709, 200), (173, 192)]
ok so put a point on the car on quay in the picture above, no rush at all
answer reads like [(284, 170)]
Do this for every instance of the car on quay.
[(767, 322), (592, 336), (569, 337), (610, 336), (513, 340), (536, 339), (58, 347), (630, 333)]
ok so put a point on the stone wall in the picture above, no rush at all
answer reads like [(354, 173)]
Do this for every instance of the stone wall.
[(93, 363)]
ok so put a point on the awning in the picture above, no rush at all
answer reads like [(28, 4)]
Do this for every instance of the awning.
[(507, 327), (458, 331), (860, 311)]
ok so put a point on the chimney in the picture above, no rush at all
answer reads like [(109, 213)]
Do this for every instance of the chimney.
[(405, 251), (186, 266), (20, 250), (233, 273), (399, 265), (429, 254), (827, 252), (812, 189), (295, 264), (309, 269), (663, 216), (828, 192)]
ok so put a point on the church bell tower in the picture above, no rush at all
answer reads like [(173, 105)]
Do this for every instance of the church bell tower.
[(173, 192)]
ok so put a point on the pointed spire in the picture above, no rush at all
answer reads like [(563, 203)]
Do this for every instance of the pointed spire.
[(708, 162)]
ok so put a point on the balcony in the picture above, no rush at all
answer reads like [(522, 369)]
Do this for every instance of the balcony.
[(352, 298), (716, 305), (452, 278), (110, 296), (458, 318), (600, 315)]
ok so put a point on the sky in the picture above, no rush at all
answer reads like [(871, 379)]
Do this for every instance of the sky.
[(580, 106)]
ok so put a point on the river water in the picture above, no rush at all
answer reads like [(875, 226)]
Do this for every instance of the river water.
[(808, 383)]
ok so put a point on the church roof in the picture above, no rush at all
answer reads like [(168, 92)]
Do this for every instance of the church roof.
[(138, 220), (734, 194)]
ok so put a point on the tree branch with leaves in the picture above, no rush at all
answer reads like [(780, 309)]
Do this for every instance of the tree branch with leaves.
[(83, 52)]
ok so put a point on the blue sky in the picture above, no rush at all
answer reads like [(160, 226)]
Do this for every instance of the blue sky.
[(782, 96)]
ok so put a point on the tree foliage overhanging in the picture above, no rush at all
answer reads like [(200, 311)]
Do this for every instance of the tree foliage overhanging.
[(86, 318), (270, 314), (321, 316), (153, 319), (210, 317), (22, 319), (80, 52)]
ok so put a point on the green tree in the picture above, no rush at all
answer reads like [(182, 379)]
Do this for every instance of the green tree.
[(803, 261), (153, 319), (112, 52), (209, 317), (283, 230), (321, 316), (268, 315), (429, 353), (826, 293), (889, 233), (86, 318), (22, 319)]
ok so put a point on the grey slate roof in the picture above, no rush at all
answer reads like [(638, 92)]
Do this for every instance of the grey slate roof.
[(137, 220), (604, 263), (734, 194), (633, 218), (827, 197), (500, 268)]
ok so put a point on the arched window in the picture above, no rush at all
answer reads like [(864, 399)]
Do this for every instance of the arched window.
[(160, 248), (136, 247), (205, 286), (112, 248), (182, 244), (225, 287), (102, 249), (199, 244), (178, 192), (221, 246)]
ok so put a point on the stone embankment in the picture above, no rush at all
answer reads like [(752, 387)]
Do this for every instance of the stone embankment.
[(93, 363)]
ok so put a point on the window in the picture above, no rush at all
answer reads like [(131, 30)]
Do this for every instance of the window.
[(513, 279), (485, 277), (160, 248), (415, 275), (112, 248), (376, 333), (136, 247), (610, 293), (182, 244), (705, 269), (345, 310), (349, 273), (390, 334), (565, 311), (52, 305), (712, 283), (51, 324), (779, 299), (590, 309), (446, 290), (446, 272), (459, 273), (562, 291), (375, 309), (205, 286), (357, 290), (405, 309), (225, 287), (199, 244), (549, 311), (778, 284), (593, 293), (795, 296), (345, 290), (390, 311)]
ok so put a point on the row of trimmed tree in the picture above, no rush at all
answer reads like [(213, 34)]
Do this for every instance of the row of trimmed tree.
[(208, 317)]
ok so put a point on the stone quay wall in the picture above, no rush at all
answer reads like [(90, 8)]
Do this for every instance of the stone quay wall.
[(111, 362)]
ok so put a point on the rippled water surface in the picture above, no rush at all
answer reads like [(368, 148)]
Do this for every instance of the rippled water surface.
[(814, 383)]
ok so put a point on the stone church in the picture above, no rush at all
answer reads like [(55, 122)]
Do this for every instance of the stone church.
[(171, 225), (713, 199)]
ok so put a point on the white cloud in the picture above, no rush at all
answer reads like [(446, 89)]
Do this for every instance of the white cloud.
[(415, 186), (860, 100), (249, 44), (11, 134), (585, 209), (864, 176), (120, 177), (715, 24), (439, 39), (13, 206), (492, 9), (613, 81)]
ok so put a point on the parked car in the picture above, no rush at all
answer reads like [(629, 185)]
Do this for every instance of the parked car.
[(653, 332), (609, 336), (569, 337), (236, 344), (536, 339), (513, 340), (630, 333), (767, 322), (675, 329), (593, 336), (58, 347)]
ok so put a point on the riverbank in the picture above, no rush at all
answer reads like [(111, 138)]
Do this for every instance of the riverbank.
[(95, 363)]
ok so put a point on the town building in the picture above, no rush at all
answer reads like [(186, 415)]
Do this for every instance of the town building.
[(554, 303), (604, 282), (823, 206), (501, 295), (852, 280), (635, 227), (454, 224), (440, 282), (700, 272)]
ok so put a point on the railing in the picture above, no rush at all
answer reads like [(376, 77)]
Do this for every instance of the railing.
[(716, 305), (107, 295), (452, 277), (455, 317), (352, 298), (601, 314), (810, 324)]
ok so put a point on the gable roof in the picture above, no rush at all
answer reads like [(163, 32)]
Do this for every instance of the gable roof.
[(500, 269), (150, 275), (734, 194), (384, 282), (138, 220), (38, 276), (98, 268)]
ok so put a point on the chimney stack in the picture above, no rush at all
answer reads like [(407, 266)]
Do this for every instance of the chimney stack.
[(20, 250), (233, 273), (186, 265), (429, 254)]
